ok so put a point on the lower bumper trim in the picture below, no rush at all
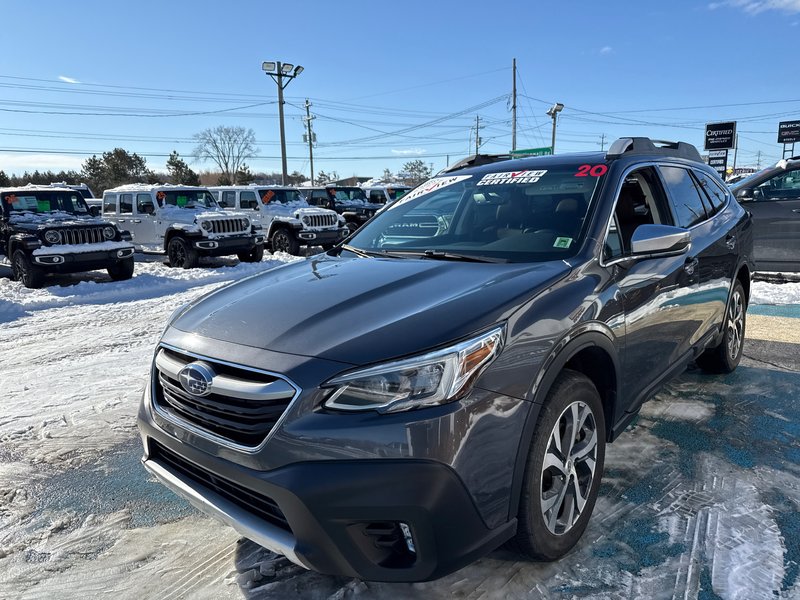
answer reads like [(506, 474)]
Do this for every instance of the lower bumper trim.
[(270, 537)]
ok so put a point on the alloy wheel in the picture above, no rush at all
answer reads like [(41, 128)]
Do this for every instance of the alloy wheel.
[(735, 325), (569, 468)]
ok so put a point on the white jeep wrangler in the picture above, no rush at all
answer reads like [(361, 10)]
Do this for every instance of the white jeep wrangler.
[(287, 219), (183, 221)]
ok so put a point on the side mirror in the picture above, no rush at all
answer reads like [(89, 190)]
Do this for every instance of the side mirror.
[(653, 241), (745, 195), (94, 211)]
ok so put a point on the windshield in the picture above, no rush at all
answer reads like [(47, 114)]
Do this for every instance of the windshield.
[(186, 198), (280, 196), (396, 194), (517, 216), (343, 194), (45, 202)]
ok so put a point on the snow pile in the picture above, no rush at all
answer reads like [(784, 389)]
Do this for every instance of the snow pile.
[(771, 293)]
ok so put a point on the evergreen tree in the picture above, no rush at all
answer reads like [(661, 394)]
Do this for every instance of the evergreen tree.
[(179, 171)]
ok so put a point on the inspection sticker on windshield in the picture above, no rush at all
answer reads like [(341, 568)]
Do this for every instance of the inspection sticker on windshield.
[(512, 177), (432, 185), (562, 242)]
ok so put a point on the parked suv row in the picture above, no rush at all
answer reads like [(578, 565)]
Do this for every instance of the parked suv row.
[(288, 221), (350, 202), (546, 300)]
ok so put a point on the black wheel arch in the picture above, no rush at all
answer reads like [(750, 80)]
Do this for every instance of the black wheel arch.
[(590, 350)]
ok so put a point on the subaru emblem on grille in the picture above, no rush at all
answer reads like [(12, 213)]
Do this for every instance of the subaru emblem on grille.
[(196, 378)]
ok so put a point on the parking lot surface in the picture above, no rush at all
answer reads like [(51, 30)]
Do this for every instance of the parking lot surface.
[(701, 496)]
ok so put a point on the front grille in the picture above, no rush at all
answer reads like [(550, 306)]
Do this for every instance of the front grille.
[(229, 226), (243, 405), (257, 504), (83, 235), (321, 220)]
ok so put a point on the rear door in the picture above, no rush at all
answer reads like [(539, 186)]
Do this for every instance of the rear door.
[(776, 222)]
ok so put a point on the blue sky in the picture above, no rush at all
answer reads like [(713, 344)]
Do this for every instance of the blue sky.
[(373, 69)]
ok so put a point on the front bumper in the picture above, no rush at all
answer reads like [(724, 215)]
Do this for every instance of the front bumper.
[(61, 260), (227, 245), (337, 517)]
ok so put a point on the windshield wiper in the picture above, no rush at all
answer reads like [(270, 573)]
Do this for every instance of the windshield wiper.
[(360, 252), (442, 255)]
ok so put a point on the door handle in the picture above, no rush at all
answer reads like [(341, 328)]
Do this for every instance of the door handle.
[(120, 220), (691, 265), (797, 210), (137, 220)]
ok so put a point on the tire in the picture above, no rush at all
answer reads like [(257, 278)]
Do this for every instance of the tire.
[(122, 270), (181, 254), (725, 356), (283, 241), (255, 255), (24, 271), (548, 530)]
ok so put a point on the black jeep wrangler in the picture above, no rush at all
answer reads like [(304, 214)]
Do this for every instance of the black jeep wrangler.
[(51, 230), (350, 202)]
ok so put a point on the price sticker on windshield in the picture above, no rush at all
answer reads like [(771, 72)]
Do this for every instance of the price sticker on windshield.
[(268, 195), (591, 171)]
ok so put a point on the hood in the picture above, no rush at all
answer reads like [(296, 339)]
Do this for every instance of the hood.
[(366, 310), (37, 221)]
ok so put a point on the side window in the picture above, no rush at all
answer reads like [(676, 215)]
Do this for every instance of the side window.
[(228, 200), (641, 201), (714, 193), (110, 203), (686, 197), (785, 186), (125, 204), (144, 204), (248, 200), (377, 196)]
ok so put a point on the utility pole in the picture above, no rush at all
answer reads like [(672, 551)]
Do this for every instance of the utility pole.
[(758, 160), (735, 151), (310, 134), (552, 112), (282, 74), (514, 105), (602, 142), (477, 133)]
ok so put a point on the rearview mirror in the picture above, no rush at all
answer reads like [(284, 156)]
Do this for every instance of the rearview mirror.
[(745, 195), (659, 240)]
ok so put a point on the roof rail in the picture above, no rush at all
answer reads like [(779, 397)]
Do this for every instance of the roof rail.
[(643, 145), (476, 160)]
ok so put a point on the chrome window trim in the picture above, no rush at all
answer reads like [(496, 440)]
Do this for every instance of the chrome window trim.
[(199, 431)]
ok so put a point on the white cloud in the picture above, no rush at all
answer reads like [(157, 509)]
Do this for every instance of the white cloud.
[(754, 7), (17, 164), (66, 79), (606, 50), (409, 152)]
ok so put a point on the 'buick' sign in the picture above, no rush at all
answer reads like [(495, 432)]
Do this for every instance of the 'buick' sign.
[(720, 136), (788, 132)]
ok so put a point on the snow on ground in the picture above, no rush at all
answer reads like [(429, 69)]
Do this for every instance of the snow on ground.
[(680, 514)]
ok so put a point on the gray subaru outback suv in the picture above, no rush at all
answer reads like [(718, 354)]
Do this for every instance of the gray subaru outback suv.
[(403, 404)]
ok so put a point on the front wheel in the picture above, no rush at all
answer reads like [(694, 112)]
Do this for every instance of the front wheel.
[(565, 465), (283, 241), (122, 270), (24, 271), (181, 254), (725, 356), (255, 255)]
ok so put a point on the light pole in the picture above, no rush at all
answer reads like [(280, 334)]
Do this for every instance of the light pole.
[(280, 71), (553, 113)]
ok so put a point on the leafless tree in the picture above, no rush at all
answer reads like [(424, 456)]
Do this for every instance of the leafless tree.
[(228, 147)]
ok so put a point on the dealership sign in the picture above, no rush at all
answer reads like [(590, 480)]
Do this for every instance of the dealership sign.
[(718, 160), (720, 136), (788, 132)]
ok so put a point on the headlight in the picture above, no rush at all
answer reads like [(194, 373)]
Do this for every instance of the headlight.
[(426, 380), (246, 223), (52, 237), (109, 232), (305, 220), (206, 225)]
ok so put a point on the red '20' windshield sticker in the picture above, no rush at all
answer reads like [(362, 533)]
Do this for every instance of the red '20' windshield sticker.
[(591, 170), (512, 177)]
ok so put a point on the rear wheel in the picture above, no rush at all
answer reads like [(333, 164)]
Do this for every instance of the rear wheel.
[(181, 254), (255, 255), (283, 241), (725, 356), (565, 465), (122, 270), (24, 271)]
